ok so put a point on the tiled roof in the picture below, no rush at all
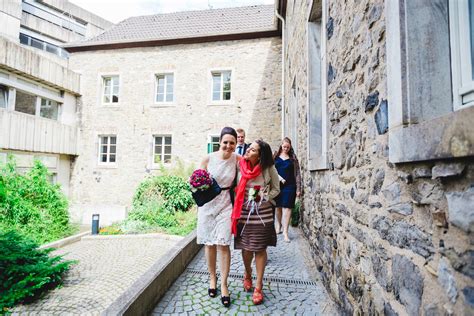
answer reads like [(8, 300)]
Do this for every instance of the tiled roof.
[(187, 24)]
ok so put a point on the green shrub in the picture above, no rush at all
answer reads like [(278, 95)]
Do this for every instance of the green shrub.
[(31, 204), (171, 192), (26, 272), (295, 213)]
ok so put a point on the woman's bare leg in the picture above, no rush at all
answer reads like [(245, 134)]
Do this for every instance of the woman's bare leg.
[(224, 266), (211, 254), (278, 220), (260, 262), (286, 222), (247, 257)]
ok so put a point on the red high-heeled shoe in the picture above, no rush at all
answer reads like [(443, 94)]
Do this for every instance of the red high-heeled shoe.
[(257, 296), (247, 283)]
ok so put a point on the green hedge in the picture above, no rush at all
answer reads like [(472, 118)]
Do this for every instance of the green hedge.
[(26, 273), (31, 205)]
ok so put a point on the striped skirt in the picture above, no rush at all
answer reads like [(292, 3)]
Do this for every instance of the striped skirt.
[(254, 232)]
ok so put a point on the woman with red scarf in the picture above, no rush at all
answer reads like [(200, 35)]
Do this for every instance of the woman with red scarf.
[(253, 212)]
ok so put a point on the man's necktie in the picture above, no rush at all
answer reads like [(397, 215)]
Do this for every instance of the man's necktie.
[(240, 150)]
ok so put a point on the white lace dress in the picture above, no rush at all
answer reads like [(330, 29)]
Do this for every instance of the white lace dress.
[(214, 217)]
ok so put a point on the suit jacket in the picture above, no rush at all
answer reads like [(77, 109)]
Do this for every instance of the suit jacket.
[(244, 149)]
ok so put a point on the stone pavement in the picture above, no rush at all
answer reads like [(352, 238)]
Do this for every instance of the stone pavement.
[(291, 286), (107, 266)]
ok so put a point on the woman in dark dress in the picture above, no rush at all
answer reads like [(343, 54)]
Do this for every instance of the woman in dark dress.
[(288, 169)]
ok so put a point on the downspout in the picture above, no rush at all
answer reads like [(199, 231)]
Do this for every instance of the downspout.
[(282, 73)]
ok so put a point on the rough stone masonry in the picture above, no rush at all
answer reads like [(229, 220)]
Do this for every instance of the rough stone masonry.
[(389, 239)]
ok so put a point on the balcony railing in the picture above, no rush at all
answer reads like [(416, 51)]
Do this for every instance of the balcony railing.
[(19, 131)]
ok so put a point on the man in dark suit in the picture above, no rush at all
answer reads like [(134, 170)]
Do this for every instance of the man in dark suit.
[(241, 145)]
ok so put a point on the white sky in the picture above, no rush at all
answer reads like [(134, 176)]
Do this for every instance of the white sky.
[(118, 10)]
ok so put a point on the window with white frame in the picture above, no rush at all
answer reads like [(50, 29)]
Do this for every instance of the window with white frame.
[(461, 20), (34, 105), (107, 149), (317, 136), (213, 143), (221, 85), (164, 88), (162, 149), (25, 102), (3, 96), (49, 109), (110, 92)]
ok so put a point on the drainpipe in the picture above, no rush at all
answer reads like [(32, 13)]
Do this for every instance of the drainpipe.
[(282, 73)]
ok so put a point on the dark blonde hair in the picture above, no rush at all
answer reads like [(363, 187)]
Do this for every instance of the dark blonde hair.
[(291, 153)]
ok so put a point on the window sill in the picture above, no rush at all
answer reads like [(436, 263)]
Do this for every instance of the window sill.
[(107, 166), (448, 136), (221, 103), (163, 105), (318, 163)]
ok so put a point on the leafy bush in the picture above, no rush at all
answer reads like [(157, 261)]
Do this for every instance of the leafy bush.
[(295, 213), (170, 192), (31, 205), (161, 204), (26, 272)]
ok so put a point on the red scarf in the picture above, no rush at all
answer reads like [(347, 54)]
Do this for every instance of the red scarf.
[(247, 173)]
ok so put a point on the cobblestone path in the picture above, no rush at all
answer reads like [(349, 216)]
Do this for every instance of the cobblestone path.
[(291, 286), (107, 266)]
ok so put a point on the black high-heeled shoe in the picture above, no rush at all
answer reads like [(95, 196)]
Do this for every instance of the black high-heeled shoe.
[(225, 301), (212, 292)]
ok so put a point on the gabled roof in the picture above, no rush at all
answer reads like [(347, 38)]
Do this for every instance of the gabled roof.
[(163, 28)]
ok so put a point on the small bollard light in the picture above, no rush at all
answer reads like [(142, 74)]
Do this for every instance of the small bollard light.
[(95, 224)]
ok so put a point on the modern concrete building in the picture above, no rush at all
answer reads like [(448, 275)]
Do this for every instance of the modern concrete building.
[(159, 88), (378, 100), (38, 91)]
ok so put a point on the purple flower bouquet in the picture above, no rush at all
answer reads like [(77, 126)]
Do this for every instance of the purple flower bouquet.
[(203, 187)]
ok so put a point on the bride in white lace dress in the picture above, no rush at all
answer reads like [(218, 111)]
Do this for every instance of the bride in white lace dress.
[(214, 217)]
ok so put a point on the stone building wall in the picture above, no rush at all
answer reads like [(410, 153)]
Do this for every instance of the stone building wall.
[(190, 119), (389, 239)]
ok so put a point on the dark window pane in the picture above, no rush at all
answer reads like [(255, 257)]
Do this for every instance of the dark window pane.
[(52, 49), (167, 158), (158, 140), (112, 158), (226, 95), (24, 39), (36, 43), (103, 158), (115, 99), (3, 96), (25, 103), (215, 147), (113, 140), (167, 140)]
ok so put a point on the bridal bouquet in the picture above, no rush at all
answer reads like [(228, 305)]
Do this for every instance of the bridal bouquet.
[(254, 194), (254, 200), (200, 180), (203, 187)]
